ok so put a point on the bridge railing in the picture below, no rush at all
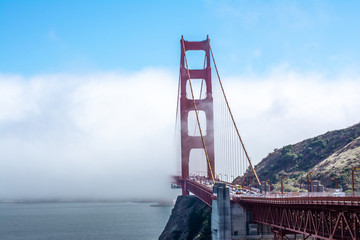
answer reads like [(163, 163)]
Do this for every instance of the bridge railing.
[(309, 200), (304, 194), (202, 191)]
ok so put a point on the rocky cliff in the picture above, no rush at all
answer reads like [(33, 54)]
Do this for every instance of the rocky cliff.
[(190, 220)]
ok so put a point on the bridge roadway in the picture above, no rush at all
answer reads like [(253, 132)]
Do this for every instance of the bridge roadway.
[(321, 217)]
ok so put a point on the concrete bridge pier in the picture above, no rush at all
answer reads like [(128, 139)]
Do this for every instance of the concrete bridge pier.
[(232, 221), (220, 215)]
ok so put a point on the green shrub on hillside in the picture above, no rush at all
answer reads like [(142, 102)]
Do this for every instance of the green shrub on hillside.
[(317, 142), (289, 156)]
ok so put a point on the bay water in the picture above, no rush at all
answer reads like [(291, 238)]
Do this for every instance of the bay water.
[(82, 220)]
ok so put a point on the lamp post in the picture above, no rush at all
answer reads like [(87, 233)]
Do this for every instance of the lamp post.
[(300, 184), (265, 186), (307, 179), (353, 182), (282, 187), (336, 182), (252, 184), (312, 186), (268, 180)]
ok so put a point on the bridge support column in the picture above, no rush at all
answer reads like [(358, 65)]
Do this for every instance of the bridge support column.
[(221, 216), (242, 226), (233, 221)]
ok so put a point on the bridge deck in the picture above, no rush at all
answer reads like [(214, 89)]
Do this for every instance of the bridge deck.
[(203, 189)]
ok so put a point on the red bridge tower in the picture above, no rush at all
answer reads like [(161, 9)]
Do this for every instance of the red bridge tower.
[(186, 105)]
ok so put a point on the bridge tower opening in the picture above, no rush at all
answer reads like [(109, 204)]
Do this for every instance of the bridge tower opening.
[(205, 104)]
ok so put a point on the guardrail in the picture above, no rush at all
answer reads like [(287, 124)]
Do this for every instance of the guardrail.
[(308, 200)]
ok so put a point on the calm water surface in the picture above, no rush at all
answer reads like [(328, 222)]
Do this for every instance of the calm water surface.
[(79, 221)]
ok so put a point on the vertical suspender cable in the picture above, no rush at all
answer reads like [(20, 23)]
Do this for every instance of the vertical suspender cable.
[(232, 117)]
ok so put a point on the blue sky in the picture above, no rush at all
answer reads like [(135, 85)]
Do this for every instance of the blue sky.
[(88, 88), (247, 36)]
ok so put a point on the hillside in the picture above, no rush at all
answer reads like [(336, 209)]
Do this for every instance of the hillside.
[(332, 154), (339, 165)]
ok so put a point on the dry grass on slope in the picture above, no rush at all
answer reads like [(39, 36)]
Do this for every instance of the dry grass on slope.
[(339, 165)]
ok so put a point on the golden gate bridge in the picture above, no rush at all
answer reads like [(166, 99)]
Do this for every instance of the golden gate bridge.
[(207, 131)]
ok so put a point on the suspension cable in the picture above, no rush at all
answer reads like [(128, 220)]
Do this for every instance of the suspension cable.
[(232, 117), (196, 112)]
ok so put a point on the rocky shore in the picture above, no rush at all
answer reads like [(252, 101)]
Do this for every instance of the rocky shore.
[(190, 219)]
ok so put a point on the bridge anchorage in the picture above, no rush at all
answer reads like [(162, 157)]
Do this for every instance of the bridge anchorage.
[(216, 167)]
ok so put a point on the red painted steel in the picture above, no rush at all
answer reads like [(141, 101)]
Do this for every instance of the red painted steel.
[(323, 201), (186, 105), (201, 191), (318, 217)]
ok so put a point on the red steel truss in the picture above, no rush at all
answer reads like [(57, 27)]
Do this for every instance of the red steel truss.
[(201, 191), (318, 217)]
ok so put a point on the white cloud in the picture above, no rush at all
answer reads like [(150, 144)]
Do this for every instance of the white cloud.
[(103, 134), (110, 134), (14, 101)]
